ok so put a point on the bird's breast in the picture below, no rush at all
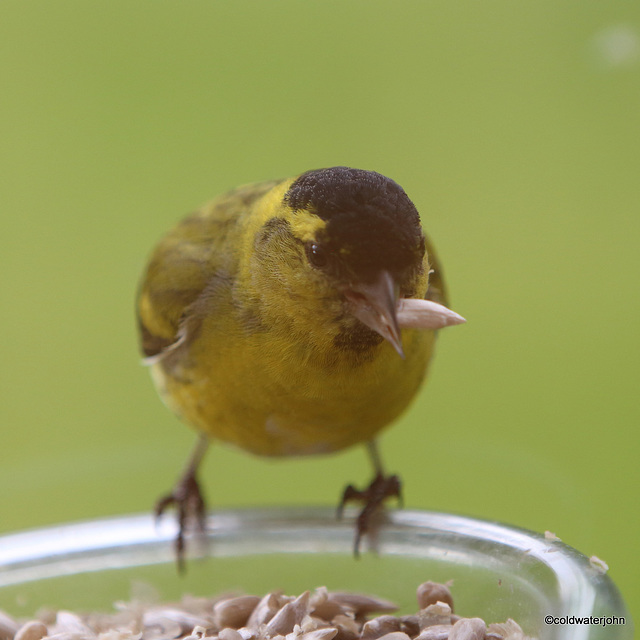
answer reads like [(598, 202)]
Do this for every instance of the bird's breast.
[(283, 396)]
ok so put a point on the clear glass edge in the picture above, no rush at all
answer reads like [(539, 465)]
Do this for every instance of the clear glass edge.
[(137, 539)]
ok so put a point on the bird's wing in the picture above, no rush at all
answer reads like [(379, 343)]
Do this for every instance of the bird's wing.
[(436, 291), (178, 272), (194, 261)]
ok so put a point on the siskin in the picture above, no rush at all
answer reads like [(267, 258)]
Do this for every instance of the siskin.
[(293, 317)]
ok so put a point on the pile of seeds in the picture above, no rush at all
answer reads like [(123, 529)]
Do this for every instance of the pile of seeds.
[(321, 615)]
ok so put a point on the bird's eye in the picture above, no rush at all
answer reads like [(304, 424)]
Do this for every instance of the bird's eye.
[(316, 255)]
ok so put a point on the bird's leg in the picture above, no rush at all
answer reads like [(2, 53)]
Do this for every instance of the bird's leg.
[(188, 500), (382, 487)]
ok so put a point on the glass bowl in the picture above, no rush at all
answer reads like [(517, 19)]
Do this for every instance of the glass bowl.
[(498, 572)]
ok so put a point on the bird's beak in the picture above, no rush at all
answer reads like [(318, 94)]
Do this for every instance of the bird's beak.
[(377, 304), (374, 304)]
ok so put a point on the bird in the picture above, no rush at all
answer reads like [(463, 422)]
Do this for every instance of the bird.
[(291, 318)]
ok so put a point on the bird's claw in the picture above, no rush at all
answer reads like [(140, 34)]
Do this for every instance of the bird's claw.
[(190, 506), (373, 497)]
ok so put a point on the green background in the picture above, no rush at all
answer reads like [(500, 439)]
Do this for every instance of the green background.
[(512, 125)]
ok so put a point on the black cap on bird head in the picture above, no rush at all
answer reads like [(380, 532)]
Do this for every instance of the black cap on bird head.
[(371, 224), (372, 243)]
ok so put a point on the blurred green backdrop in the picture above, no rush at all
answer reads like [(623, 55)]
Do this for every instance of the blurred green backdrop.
[(513, 127)]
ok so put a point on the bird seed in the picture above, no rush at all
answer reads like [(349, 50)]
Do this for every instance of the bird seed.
[(321, 615)]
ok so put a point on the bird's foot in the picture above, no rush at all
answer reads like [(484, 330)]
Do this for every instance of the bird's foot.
[(373, 497), (190, 507)]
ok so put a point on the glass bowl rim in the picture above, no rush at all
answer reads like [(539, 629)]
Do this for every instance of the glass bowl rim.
[(38, 553)]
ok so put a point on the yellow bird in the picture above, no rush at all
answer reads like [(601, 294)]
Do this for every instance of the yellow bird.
[(293, 317)]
